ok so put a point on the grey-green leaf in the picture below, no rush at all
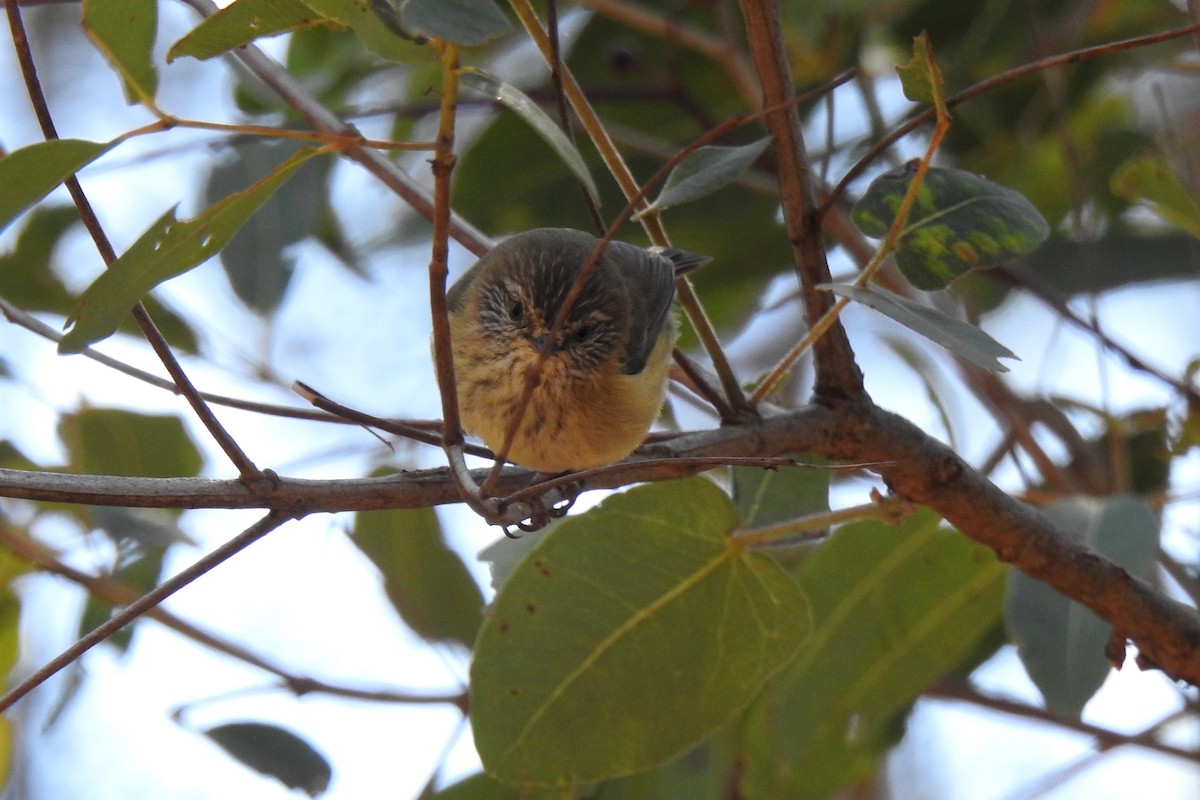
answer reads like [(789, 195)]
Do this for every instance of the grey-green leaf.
[(514, 99), (31, 173), (275, 752), (955, 335), (1061, 643), (170, 247), (464, 22), (960, 221), (705, 171)]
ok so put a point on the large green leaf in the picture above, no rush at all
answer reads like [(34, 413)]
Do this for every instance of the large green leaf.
[(29, 174), (275, 752), (1061, 643), (427, 582), (627, 636), (124, 31), (953, 334), (170, 247), (242, 22), (959, 222), (894, 608)]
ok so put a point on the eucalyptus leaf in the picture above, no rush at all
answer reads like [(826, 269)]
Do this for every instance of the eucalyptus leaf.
[(895, 607), (31, 173), (955, 335), (169, 248), (275, 752), (428, 584), (464, 22), (705, 171), (1151, 180), (124, 31), (959, 222), (372, 28), (242, 22), (515, 100), (1061, 643), (626, 637)]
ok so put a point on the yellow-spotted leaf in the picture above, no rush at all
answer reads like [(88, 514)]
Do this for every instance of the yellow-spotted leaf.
[(626, 637), (959, 222)]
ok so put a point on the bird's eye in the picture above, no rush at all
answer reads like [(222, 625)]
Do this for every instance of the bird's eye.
[(516, 311), (583, 333)]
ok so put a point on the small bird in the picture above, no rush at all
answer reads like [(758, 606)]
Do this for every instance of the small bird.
[(605, 374)]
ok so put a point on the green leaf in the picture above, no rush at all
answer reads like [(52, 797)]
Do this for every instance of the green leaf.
[(959, 222), (364, 18), (894, 608), (26, 279), (482, 786), (169, 248), (765, 497), (124, 30), (242, 22), (464, 22), (1151, 181), (705, 171), (275, 752), (627, 636), (514, 99), (140, 574), (953, 334), (255, 260), (427, 582), (921, 79), (1061, 643), (108, 441), (29, 174)]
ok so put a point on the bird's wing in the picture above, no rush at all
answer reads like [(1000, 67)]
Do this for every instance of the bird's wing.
[(650, 279)]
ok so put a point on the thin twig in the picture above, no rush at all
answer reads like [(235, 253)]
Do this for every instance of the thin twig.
[(143, 604), (246, 468)]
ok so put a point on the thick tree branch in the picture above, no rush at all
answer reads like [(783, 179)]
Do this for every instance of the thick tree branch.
[(837, 374), (913, 464)]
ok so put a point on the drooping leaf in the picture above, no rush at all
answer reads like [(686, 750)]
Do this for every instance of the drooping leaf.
[(372, 28), (170, 247), (109, 441), (124, 30), (464, 22), (894, 608), (598, 659), (1061, 643), (705, 171), (242, 22), (1152, 181), (275, 752), (26, 279), (12, 567), (959, 222), (256, 260), (953, 334), (139, 574), (514, 99), (427, 582), (29, 174)]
